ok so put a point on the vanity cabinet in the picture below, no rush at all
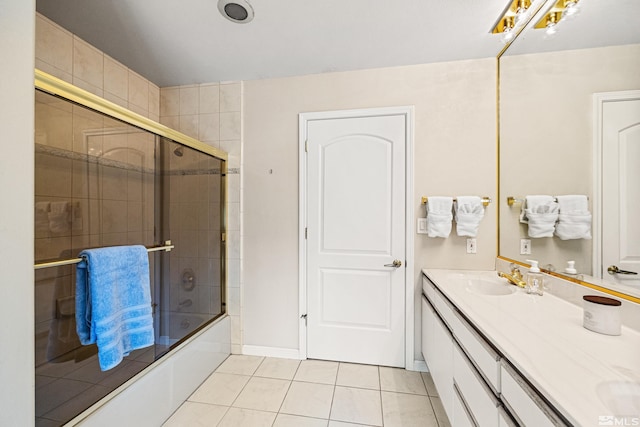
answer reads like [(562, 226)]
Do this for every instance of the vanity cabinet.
[(437, 349), (478, 387)]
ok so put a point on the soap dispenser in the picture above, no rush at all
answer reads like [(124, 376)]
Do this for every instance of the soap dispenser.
[(535, 279)]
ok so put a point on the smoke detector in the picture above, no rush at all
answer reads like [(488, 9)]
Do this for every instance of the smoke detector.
[(238, 11)]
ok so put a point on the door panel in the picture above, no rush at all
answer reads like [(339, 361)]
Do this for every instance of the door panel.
[(356, 226), (620, 189)]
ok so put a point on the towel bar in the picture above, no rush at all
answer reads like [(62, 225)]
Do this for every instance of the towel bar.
[(166, 247), (518, 200), (485, 200)]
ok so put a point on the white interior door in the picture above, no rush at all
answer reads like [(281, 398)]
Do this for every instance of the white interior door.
[(621, 188), (355, 232)]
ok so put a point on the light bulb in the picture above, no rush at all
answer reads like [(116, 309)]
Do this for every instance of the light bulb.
[(521, 15), (551, 29), (571, 10), (507, 35)]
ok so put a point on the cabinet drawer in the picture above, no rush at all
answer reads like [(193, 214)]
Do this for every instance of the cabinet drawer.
[(483, 356), (525, 403), (461, 415), (477, 396)]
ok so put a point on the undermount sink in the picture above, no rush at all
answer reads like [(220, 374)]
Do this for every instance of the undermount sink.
[(488, 287), (621, 397)]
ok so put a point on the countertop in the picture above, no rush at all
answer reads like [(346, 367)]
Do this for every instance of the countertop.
[(543, 337)]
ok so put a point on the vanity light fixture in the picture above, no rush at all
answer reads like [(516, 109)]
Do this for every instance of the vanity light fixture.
[(559, 12), (515, 16), (238, 11), (552, 22)]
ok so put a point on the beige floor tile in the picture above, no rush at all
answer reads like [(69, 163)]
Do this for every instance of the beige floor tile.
[(441, 415), (308, 399), (237, 417), (220, 389), (428, 382), (283, 369), (263, 394), (401, 380), (196, 414), (356, 405), (317, 371), (240, 364), (361, 376), (407, 410), (333, 423), (286, 420)]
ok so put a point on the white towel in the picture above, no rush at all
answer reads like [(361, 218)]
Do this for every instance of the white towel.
[(59, 217), (574, 221), (541, 213), (439, 216), (469, 212)]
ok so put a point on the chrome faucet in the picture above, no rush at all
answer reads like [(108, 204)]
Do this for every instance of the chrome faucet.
[(515, 277)]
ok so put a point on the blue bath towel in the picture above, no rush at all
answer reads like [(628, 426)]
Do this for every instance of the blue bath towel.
[(113, 302)]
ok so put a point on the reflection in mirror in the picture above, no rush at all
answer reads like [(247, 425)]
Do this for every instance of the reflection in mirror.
[(550, 117)]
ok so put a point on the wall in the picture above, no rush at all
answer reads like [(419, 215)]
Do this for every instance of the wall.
[(212, 113), (16, 216), (455, 154), (546, 133)]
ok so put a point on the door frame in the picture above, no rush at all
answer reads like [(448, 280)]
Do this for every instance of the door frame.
[(599, 99), (303, 119)]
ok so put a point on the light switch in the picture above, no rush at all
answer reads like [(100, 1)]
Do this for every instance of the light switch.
[(422, 225)]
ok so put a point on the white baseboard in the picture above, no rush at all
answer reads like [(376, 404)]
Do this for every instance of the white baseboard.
[(420, 366), (258, 350)]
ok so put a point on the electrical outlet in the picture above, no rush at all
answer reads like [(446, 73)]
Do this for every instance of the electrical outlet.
[(471, 246), (525, 246)]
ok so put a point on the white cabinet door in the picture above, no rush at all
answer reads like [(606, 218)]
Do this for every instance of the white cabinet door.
[(427, 332), (439, 356)]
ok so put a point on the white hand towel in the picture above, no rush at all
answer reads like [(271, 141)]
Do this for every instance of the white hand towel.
[(541, 213), (469, 211), (439, 216), (574, 221), (59, 217)]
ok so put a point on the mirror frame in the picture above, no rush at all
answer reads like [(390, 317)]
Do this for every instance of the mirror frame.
[(502, 198)]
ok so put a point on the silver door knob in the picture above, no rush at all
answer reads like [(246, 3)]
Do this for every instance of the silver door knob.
[(396, 263), (613, 269)]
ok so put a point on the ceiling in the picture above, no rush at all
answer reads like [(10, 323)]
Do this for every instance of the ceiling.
[(184, 42)]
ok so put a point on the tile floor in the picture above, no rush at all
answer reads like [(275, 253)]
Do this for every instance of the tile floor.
[(250, 391)]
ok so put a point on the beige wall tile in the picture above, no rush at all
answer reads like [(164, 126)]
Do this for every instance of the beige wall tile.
[(54, 45), (169, 101), (189, 125), (230, 97), (116, 100), (230, 126), (87, 86), (88, 63), (209, 98), (116, 78), (189, 100), (171, 121), (209, 127), (138, 91), (55, 72), (154, 99), (139, 110)]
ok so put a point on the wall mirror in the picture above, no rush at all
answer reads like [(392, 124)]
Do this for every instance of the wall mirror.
[(553, 140)]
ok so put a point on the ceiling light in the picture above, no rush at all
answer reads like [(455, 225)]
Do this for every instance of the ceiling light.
[(238, 11), (560, 12), (515, 16)]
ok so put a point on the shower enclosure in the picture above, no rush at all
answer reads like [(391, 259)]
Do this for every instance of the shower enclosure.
[(118, 179)]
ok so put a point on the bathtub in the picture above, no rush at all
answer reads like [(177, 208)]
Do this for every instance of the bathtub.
[(180, 325)]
